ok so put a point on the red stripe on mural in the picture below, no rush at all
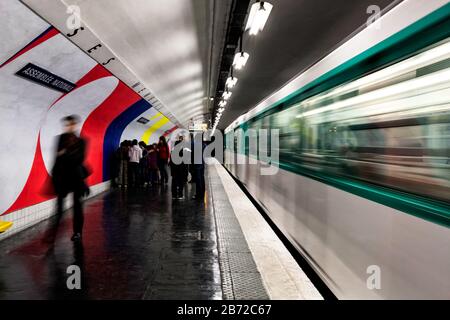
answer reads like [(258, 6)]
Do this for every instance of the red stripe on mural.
[(38, 187), (51, 33), (95, 73), (94, 128), (170, 131)]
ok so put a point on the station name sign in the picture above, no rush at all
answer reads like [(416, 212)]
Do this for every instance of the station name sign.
[(43, 77)]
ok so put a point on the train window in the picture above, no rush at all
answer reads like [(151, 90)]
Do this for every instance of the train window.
[(378, 128)]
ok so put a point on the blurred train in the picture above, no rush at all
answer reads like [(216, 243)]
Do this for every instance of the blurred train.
[(363, 186)]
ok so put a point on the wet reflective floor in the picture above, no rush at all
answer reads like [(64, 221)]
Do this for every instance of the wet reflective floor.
[(138, 244)]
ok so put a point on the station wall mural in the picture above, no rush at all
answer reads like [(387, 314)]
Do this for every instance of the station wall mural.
[(33, 102)]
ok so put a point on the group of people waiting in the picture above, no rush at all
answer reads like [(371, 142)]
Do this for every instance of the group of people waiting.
[(139, 165)]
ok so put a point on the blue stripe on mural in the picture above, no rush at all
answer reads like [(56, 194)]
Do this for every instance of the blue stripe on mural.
[(114, 132)]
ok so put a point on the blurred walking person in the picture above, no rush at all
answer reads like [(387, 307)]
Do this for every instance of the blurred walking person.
[(69, 174)]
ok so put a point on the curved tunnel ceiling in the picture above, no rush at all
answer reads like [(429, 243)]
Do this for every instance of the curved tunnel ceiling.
[(172, 47), (297, 34)]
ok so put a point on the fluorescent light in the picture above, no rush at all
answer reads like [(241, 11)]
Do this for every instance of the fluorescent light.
[(231, 82), (240, 60), (257, 19), (222, 103), (226, 95)]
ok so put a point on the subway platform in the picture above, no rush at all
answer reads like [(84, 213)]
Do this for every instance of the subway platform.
[(141, 244)]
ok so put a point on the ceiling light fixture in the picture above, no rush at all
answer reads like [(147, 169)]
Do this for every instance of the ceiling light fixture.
[(226, 95), (231, 81), (222, 103), (240, 58), (258, 16)]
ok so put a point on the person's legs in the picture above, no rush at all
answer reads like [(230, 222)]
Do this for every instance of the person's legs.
[(174, 186), (166, 175), (125, 172), (134, 167), (78, 218), (181, 183), (142, 176), (192, 172), (161, 175), (154, 173), (120, 180), (199, 182), (163, 171), (50, 235), (202, 181)]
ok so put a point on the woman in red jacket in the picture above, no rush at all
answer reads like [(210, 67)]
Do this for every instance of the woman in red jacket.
[(163, 159)]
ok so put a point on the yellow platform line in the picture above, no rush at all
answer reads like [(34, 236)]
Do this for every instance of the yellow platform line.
[(148, 133), (5, 225)]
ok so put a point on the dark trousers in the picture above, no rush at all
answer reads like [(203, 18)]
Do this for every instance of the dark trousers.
[(133, 168), (163, 170), (199, 177), (177, 185), (78, 218), (152, 175), (143, 174)]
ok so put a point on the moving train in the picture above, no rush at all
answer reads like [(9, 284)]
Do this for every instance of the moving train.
[(362, 188)]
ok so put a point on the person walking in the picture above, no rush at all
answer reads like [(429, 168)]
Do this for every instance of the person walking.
[(135, 154), (69, 174), (163, 159)]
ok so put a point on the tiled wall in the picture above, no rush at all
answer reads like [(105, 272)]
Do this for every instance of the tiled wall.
[(27, 217)]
